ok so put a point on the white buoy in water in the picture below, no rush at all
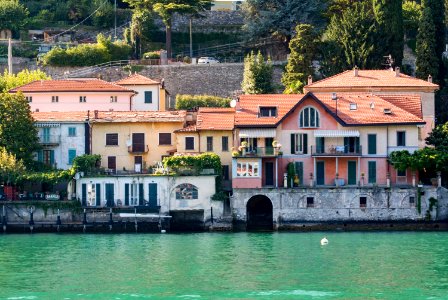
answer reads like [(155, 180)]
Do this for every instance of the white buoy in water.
[(324, 241), (163, 231)]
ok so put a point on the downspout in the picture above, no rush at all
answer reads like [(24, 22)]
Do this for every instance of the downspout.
[(130, 101), (387, 149), (199, 141)]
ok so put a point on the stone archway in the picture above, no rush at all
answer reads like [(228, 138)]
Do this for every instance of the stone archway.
[(259, 213)]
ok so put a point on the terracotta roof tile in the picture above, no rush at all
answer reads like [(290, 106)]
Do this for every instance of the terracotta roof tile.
[(369, 79), (136, 79), (138, 116), (72, 116), (191, 128), (71, 85), (410, 103), (215, 119)]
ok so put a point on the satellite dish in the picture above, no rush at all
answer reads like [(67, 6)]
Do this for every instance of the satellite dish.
[(129, 143), (233, 103)]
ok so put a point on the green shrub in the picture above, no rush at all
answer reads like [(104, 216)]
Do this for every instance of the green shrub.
[(192, 101), (152, 55)]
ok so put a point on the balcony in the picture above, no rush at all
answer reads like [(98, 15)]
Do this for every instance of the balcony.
[(337, 150), (260, 152), (138, 149), (49, 140)]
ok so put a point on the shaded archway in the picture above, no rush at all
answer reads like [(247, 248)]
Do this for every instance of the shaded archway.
[(259, 213)]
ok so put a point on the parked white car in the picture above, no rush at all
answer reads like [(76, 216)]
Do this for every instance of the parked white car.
[(208, 60)]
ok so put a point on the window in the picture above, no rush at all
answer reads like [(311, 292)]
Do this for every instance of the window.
[(353, 106), (401, 173), (138, 142), (299, 143), (111, 139), (247, 169), (186, 191), (209, 144), (71, 156), (164, 138), (112, 162), (133, 194), (148, 97), (371, 144), (225, 172), (309, 201), (225, 143), (268, 111), (54, 98), (309, 117), (29, 99), (113, 99), (372, 171), (46, 157), (189, 143), (320, 144), (362, 202), (82, 98), (72, 131), (251, 144), (401, 138), (412, 201)]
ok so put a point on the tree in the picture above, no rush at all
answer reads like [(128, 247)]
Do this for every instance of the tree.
[(427, 62), (439, 137), (257, 77), (167, 8), (10, 81), (12, 15), (11, 168), (302, 47), (193, 101), (278, 18), (389, 16), (412, 12), (17, 132)]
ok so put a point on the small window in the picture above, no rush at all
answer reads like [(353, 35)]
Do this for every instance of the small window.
[(412, 200), (225, 143), (112, 139), (112, 162), (148, 97), (309, 201), (353, 106), (209, 144), (71, 156), (401, 173), (82, 99), (72, 131), (113, 99), (362, 202), (164, 138), (54, 98), (29, 99), (189, 143), (268, 111), (186, 191), (401, 138)]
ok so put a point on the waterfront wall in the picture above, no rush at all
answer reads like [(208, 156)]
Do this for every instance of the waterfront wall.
[(343, 204)]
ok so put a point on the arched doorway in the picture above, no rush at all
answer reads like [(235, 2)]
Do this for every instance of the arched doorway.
[(259, 213)]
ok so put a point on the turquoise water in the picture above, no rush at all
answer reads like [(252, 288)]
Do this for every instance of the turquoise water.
[(225, 266)]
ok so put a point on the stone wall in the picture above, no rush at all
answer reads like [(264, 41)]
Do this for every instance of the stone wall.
[(343, 204)]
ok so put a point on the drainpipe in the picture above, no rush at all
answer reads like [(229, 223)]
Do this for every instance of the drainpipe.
[(130, 101), (199, 141)]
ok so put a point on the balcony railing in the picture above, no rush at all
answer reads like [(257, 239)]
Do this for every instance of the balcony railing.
[(336, 150), (49, 139), (136, 149), (260, 152)]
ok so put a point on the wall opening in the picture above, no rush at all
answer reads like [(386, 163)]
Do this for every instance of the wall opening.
[(259, 213)]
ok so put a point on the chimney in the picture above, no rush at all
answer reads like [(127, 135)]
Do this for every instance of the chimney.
[(430, 78), (96, 114), (310, 79), (397, 71), (238, 106), (355, 69)]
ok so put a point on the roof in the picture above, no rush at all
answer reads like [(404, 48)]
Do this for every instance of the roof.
[(410, 103), (368, 79), (71, 85), (212, 118), (248, 114), (66, 116), (138, 116), (136, 79)]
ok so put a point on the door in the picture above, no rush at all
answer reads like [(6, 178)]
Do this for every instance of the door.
[(84, 194), (351, 173), (299, 173), (152, 195), (268, 146), (320, 172), (110, 194), (138, 142), (269, 173)]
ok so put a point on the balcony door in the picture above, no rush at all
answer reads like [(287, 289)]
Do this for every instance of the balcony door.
[(351, 176), (138, 142), (351, 144), (268, 146), (320, 172), (46, 135)]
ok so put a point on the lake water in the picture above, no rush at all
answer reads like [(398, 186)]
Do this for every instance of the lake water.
[(392, 265)]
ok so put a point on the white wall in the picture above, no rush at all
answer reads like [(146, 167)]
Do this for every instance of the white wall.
[(138, 101)]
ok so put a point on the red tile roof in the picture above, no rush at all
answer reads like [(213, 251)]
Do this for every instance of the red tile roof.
[(410, 103), (369, 79), (248, 114), (212, 118), (71, 85), (136, 79), (69, 116), (138, 116)]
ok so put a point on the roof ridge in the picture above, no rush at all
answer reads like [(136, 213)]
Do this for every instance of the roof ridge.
[(327, 78)]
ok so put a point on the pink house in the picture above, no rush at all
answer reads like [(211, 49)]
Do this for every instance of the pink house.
[(79, 94)]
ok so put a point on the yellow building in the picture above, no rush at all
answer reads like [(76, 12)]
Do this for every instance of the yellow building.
[(213, 132), (134, 141)]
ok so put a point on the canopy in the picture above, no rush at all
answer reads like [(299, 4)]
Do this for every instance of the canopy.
[(257, 133), (336, 133)]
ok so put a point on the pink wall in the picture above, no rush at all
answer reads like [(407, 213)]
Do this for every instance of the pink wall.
[(246, 183), (70, 102)]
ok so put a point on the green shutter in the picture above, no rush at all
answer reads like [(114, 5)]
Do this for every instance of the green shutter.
[(84, 195), (98, 194), (371, 141), (52, 157), (346, 143), (71, 156), (357, 146), (372, 171), (148, 97), (40, 156), (152, 187), (126, 194), (293, 143), (305, 143), (140, 194)]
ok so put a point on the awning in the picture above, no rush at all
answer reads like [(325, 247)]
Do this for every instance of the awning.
[(336, 133), (257, 133), (47, 124)]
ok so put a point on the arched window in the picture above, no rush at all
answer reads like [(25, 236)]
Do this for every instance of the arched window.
[(186, 191), (309, 117)]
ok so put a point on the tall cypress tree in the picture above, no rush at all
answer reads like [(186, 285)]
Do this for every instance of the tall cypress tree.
[(427, 62), (257, 77), (389, 16)]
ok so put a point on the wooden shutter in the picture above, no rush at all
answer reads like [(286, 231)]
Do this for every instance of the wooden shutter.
[(152, 187), (98, 194), (148, 97), (293, 143), (371, 140), (111, 162), (372, 172), (126, 194), (52, 157), (138, 142), (346, 144), (140, 194), (305, 143), (40, 156), (84, 194)]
